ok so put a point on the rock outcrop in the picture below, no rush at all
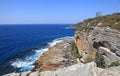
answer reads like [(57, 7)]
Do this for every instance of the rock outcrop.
[(80, 69), (84, 45), (102, 40), (99, 35), (108, 56)]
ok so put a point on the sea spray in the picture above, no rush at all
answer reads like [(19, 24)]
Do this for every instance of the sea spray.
[(26, 64)]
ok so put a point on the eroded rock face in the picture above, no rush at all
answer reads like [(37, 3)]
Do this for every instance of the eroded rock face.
[(81, 42), (80, 69), (102, 39), (84, 46)]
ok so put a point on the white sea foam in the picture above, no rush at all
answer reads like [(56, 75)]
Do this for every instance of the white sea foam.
[(67, 28), (27, 63)]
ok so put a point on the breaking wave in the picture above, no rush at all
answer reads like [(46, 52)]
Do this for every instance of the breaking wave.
[(26, 63)]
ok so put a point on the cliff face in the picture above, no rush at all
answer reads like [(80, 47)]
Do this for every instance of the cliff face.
[(84, 45), (104, 41), (99, 42)]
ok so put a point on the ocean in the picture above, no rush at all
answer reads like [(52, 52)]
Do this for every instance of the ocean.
[(22, 44)]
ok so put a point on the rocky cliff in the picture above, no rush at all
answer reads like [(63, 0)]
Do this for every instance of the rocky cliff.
[(103, 41), (99, 42), (96, 49)]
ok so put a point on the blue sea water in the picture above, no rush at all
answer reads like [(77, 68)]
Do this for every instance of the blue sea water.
[(21, 45)]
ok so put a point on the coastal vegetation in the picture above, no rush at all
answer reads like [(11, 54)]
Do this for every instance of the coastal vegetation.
[(100, 61), (74, 51), (117, 63), (88, 59), (112, 21)]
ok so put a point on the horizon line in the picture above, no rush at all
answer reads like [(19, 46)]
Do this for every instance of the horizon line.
[(38, 24)]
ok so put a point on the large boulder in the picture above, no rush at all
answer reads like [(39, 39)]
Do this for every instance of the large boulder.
[(109, 57)]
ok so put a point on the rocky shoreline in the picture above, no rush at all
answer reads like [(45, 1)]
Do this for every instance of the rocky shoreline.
[(57, 56)]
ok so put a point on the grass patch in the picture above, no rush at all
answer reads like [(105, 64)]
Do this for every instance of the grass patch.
[(114, 64), (88, 59), (75, 52), (112, 21), (100, 61)]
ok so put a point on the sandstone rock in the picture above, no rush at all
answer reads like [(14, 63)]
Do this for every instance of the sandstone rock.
[(12, 74), (109, 56), (56, 57), (24, 73), (84, 45), (118, 53), (103, 50), (79, 69), (114, 71), (77, 60), (36, 73), (108, 38), (81, 43), (103, 40), (18, 74)]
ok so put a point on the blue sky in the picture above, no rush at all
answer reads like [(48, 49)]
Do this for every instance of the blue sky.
[(53, 11)]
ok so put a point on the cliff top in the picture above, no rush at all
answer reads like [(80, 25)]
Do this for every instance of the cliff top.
[(112, 20)]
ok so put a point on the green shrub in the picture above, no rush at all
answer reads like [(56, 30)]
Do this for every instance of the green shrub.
[(116, 26), (88, 59), (74, 52), (100, 61), (114, 64), (108, 20)]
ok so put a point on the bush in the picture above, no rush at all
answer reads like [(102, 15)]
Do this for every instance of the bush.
[(100, 61), (74, 52), (88, 59), (108, 20), (114, 64)]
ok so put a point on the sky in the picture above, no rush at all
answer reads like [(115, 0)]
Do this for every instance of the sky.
[(53, 11)]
